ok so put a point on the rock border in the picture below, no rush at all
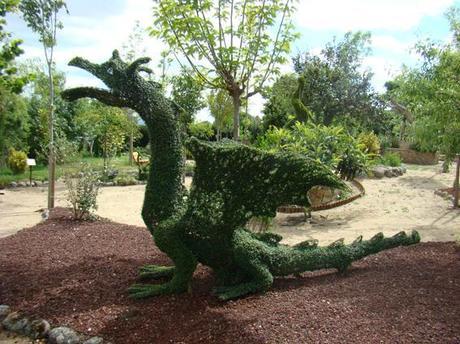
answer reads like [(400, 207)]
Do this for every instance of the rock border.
[(35, 328), (381, 171)]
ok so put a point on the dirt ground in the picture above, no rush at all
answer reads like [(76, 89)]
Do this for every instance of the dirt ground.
[(82, 270), (390, 205)]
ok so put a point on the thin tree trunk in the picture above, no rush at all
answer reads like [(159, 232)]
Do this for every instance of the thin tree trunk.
[(218, 134), (236, 116), (51, 156), (131, 147), (456, 182), (129, 113)]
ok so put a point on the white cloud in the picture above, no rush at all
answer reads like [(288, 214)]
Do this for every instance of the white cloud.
[(95, 39), (394, 15), (391, 44), (384, 69)]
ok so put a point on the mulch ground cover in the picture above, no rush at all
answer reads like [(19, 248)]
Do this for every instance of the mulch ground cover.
[(76, 274)]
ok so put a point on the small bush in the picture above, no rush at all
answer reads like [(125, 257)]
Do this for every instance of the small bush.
[(17, 161), (125, 180), (82, 190), (391, 159), (370, 142)]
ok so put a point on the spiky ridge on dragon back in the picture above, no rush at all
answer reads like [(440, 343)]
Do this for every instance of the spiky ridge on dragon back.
[(232, 183)]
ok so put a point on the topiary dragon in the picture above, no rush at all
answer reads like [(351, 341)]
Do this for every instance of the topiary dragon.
[(232, 183)]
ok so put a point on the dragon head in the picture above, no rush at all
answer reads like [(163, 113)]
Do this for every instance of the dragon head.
[(252, 182)]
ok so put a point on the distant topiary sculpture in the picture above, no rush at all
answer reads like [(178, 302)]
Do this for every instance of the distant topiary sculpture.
[(232, 183)]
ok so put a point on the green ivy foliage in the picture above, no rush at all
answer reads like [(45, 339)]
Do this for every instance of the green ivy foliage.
[(232, 183)]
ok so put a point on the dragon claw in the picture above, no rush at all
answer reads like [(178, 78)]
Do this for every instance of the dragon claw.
[(140, 291)]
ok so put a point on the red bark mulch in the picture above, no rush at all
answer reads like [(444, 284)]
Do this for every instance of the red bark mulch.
[(76, 274)]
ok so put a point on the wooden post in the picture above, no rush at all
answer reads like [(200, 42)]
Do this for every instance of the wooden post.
[(456, 182)]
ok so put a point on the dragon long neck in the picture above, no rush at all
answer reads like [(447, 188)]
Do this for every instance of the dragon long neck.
[(163, 194), (127, 88)]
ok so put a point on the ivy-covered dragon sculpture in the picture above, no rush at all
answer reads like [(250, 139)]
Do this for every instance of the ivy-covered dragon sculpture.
[(232, 183)]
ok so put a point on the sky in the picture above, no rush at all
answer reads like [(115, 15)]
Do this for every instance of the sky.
[(93, 28)]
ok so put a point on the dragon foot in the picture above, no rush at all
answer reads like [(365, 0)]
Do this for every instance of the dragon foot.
[(155, 271), (141, 291)]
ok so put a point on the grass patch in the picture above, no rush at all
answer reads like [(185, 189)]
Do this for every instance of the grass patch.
[(40, 172)]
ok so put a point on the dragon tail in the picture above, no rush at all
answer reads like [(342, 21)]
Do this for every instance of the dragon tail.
[(308, 256)]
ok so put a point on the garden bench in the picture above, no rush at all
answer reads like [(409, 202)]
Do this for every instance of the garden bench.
[(139, 161)]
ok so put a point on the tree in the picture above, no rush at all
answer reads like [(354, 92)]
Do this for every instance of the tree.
[(333, 87), (220, 106), (187, 95), (41, 17), (228, 44), (38, 99), (87, 120), (12, 115), (107, 126), (201, 130), (9, 50), (14, 123), (279, 107), (431, 92)]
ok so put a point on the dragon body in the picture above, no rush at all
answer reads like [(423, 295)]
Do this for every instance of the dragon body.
[(232, 183)]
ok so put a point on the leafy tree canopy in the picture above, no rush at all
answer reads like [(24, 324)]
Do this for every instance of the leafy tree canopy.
[(431, 92), (333, 88), (230, 45), (9, 50), (278, 108), (187, 95), (221, 108)]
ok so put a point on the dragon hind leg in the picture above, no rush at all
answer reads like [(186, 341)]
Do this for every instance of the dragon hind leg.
[(258, 276)]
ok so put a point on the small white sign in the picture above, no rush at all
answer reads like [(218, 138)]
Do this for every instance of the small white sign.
[(31, 162)]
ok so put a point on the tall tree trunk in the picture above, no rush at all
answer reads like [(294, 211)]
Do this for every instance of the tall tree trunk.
[(456, 182), (236, 116), (51, 155)]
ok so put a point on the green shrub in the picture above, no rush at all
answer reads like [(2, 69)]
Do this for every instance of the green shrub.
[(391, 159), (125, 180), (17, 161), (370, 142), (82, 190), (331, 145)]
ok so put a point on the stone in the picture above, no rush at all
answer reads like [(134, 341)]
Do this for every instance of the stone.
[(396, 171), (320, 195), (13, 184), (94, 340), (21, 184), (403, 169), (389, 173), (39, 329), (379, 171), (4, 311), (63, 335), (16, 322)]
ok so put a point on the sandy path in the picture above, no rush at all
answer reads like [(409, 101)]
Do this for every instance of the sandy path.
[(390, 205)]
